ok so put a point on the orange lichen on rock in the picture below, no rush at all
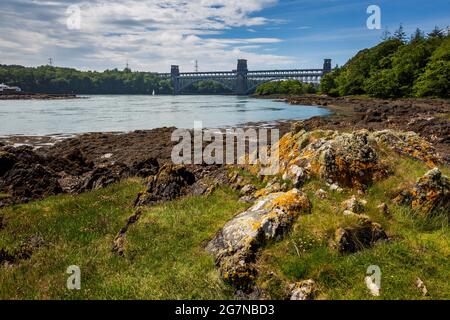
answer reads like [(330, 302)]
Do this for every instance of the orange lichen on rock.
[(292, 202), (410, 144), (430, 193), (235, 246)]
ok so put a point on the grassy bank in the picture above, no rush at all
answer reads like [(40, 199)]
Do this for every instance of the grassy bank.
[(165, 256)]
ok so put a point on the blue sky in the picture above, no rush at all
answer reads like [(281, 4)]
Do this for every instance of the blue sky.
[(153, 34)]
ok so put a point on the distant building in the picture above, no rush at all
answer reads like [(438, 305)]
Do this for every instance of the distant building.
[(7, 89)]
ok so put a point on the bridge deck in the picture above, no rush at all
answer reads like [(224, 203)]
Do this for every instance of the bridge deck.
[(255, 73)]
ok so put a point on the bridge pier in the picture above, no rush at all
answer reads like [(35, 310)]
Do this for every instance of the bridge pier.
[(241, 77), (175, 78)]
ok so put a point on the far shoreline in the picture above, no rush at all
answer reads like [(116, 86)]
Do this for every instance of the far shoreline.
[(38, 96)]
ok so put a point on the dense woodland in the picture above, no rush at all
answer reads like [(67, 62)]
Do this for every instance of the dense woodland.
[(397, 67)]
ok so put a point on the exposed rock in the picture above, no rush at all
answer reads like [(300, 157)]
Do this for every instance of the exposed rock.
[(169, 183), (374, 116), (236, 181), (298, 126), (297, 175), (272, 186), (430, 193), (304, 290), (145, 168), (335, 187), (7, 161), (410, 144), (363, 234), (354, 205), (236, 244), (344, 159), (247, 189), (101, 177), (30, 182), (247, 199), (119, 241)]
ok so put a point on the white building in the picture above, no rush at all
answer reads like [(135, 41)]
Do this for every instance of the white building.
[(5, 88)]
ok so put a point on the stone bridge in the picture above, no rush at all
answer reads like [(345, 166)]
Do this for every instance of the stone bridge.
[(243, 81)]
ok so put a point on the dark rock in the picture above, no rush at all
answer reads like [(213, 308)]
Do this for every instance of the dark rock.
[(119, 241), (363, 234), (145, 168), (169, 183), (30, 182), (102, 177), (7, 161)]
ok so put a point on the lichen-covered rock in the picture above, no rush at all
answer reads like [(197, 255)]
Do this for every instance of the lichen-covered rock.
[(354, 205), (362, 234), (168, 184), (345, 159), (410, 144), (304, 290), (236, 244), (430, 193)]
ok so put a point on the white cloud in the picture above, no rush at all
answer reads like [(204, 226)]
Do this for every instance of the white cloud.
[(151, 34)]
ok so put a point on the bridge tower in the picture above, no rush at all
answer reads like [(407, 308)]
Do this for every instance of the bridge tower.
[(174, 77), (326, 66), (241, 77)]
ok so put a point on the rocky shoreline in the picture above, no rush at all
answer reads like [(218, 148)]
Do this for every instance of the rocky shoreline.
[(37, 96), (88, 161)]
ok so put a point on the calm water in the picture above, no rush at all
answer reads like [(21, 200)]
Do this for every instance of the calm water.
[(128, 113)]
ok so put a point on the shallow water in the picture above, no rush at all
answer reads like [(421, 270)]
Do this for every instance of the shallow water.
[(130, 112)]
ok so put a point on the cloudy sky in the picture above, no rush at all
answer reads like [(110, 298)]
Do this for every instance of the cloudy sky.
[(153, 34)]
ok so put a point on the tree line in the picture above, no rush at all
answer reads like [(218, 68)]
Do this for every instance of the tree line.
[(288, 87), (50, 79), (418, 66)]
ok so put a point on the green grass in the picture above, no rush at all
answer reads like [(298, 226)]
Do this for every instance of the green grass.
[(165, 256)]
